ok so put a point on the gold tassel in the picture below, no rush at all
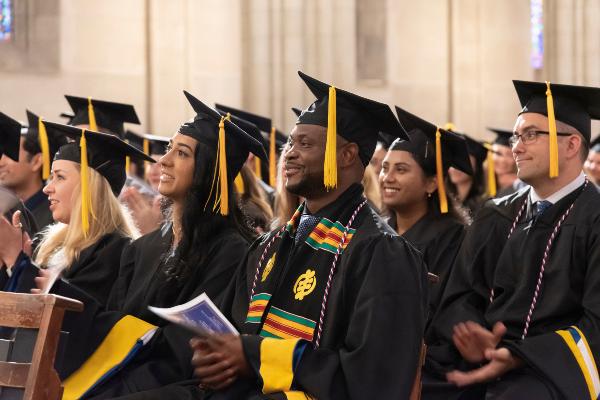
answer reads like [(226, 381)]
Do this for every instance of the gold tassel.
[(86, 199), (127, 162), (257, 169), (224, 195), (491, 170), (330, 166), (92, 116), (239, 184), (439, 169), (552, 131), (146, 145), (45, 147), (272, 159)]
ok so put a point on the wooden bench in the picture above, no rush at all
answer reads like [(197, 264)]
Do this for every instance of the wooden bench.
[(45, 313)]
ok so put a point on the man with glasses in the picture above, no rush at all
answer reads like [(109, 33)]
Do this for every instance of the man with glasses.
[(520, 318)]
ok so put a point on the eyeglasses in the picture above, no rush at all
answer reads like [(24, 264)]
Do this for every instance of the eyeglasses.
[(530, 137)]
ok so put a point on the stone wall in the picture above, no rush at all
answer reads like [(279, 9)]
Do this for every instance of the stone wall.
[(447, 60)]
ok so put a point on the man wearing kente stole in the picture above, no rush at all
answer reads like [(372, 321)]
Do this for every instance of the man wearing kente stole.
[(332, 304)]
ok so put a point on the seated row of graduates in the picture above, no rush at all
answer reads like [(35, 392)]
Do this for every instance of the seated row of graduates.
[(314, 322)]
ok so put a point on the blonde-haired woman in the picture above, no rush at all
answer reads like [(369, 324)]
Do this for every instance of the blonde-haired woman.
[(84, 244)]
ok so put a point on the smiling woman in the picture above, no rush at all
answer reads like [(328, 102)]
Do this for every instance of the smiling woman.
[(91, 227), (411, 196), (196, 250)]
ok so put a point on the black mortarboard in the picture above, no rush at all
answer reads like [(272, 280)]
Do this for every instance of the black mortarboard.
[(422, 144), (45, 143), (573, 105), (357, 119), (595, 145), (274, 136), (105, 153), (215, 131), (106, 114), (434, 148), (502, 136), (68, 116), (475, 148), (386, 140), (263, 123), (149, 144), (296, 111), (10, 137)]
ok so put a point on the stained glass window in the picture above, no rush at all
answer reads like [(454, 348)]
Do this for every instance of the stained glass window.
[(537, 34), (6, 20)]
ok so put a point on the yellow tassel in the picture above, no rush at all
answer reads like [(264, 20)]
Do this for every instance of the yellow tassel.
[(146, 145), (45, 147), (86, 199), (272, 159), (92, 116), (439, 169), (239, 184), (127, 162), (552, 131), (492, 189), (257, 169), (224, 195), (330, 166)]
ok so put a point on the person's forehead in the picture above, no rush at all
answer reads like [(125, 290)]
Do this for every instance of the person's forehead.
[(308, 130), (399, 156), (534, 119)]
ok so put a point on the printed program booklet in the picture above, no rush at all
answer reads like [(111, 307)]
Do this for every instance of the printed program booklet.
[(199, 314)]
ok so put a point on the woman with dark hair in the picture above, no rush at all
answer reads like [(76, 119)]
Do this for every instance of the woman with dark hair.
[(413, 196), (195, 252)]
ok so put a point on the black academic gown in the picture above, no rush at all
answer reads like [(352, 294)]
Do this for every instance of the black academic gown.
[(94, 271), (569, 300), (438, 238), (162, 369), (40, 208), (375, 315)]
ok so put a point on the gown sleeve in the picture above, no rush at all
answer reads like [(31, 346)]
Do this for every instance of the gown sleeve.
[(569, 356), (98, 267), (378, 356), (467, 292)]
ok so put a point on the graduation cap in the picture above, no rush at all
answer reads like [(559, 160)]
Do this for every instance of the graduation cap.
[(102, 114), (357, 119), (10, 137), (385, 140), (68, 116), (48, 144), (296, 111), (502, 136), (276, 139), (434, 148), (103, 152), (230, 143), (251, 130), (482, 152), (149, 144), (573, 105)]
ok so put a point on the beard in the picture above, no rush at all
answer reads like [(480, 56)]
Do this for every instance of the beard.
[(310, 186)]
